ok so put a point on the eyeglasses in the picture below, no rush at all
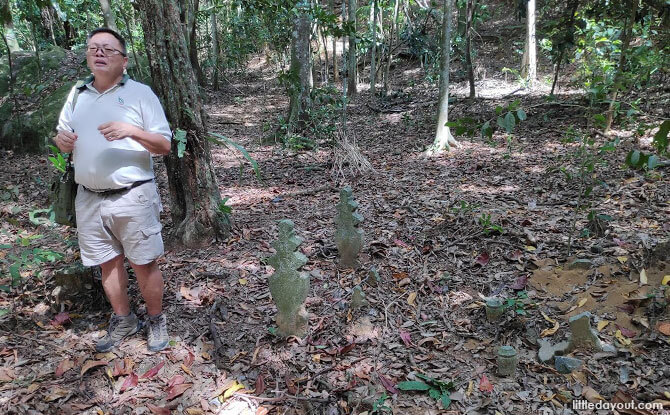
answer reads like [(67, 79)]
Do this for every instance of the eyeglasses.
[(106, 50)]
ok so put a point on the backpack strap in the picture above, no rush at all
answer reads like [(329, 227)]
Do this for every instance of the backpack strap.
[(79, 86)]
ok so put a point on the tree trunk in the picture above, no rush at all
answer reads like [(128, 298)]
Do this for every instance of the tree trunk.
[(108, 15), (351, 53), (193, 44), (47, 15), (529, 63), (443, 138), (389, 58), (625, 43), (315, 29), (70, 34), (188, 23), (326, 59), (10, 85), (571, 27), (215, 50), (194, 192), (33, 31), (129, 33), (9, 35), (373, 57), (300, 72), (462, 17), (470, 7), (336, 72)]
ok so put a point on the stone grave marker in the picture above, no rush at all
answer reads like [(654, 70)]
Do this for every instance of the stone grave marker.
[(348, 237), (288, 285)]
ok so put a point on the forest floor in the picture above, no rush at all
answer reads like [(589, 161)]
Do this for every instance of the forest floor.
[(489, 218)]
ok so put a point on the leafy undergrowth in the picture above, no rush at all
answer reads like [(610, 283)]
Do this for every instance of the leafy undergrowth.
[(491, 218)]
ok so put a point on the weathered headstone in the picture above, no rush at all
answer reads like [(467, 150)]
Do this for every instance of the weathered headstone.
[(289, 286), (75, 283), (583, 264), (566, 364), (548, 351), (348, 238), (373, 277), (581, 333), (358, 298)]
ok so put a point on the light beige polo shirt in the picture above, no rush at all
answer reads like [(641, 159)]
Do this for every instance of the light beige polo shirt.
[(101, 164)]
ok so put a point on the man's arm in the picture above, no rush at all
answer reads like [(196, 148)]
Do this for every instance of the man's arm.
[(116, 130), (65, 137)]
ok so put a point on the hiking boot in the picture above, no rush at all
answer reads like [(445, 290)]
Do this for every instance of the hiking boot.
[(119, 328), (157, 335)]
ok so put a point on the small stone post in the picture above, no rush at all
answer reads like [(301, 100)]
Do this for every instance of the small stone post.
[(581, 333), (289, 286), (348, 238)]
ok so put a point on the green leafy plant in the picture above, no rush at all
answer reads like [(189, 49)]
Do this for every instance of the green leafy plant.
[(637, 159), (180, 139), (487, 226), (36, 219), (640, 160), (582, 167), (506, 118), (320, 123), (436, 389), (9, 193), (465, 207), (27, 259), (226, 142), (519, 303), (223, 208), (661, 137), (57, 160), (523, 82), (379, 406)]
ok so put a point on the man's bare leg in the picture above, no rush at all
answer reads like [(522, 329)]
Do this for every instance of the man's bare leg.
[(115, 283), (123, 323), (150, 280)]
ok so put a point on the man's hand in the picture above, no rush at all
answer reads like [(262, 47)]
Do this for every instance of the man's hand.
[(117, 130), (65, 141)]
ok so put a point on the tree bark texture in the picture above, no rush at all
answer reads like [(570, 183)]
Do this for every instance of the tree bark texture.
[(529, 70), (129, 33), (193, 44), (9, 34), (571, 27), (300, 70), (373, 56), (336, 71), (194, 192), (352, 63), (11, 72), (625, 45), (389, 58), (47, 14), (215, 50), (108, 15), (470, 7), (443, 138)]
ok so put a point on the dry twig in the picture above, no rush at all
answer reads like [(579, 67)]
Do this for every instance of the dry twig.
[(347, 157)]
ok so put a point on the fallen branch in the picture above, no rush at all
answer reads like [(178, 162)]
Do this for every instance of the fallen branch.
[(281, 398), (215, 333)]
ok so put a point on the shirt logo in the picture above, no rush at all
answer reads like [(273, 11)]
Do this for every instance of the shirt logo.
[(120, 100)]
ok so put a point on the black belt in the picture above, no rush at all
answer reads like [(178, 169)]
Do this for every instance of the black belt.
[(119, 190)]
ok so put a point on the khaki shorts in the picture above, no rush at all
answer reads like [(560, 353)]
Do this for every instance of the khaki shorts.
[(127, 222)]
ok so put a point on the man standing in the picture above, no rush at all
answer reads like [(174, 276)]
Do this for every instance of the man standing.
[(112, 125)]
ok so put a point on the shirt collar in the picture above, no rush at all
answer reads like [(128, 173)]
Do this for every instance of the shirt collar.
[(88, 81)]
